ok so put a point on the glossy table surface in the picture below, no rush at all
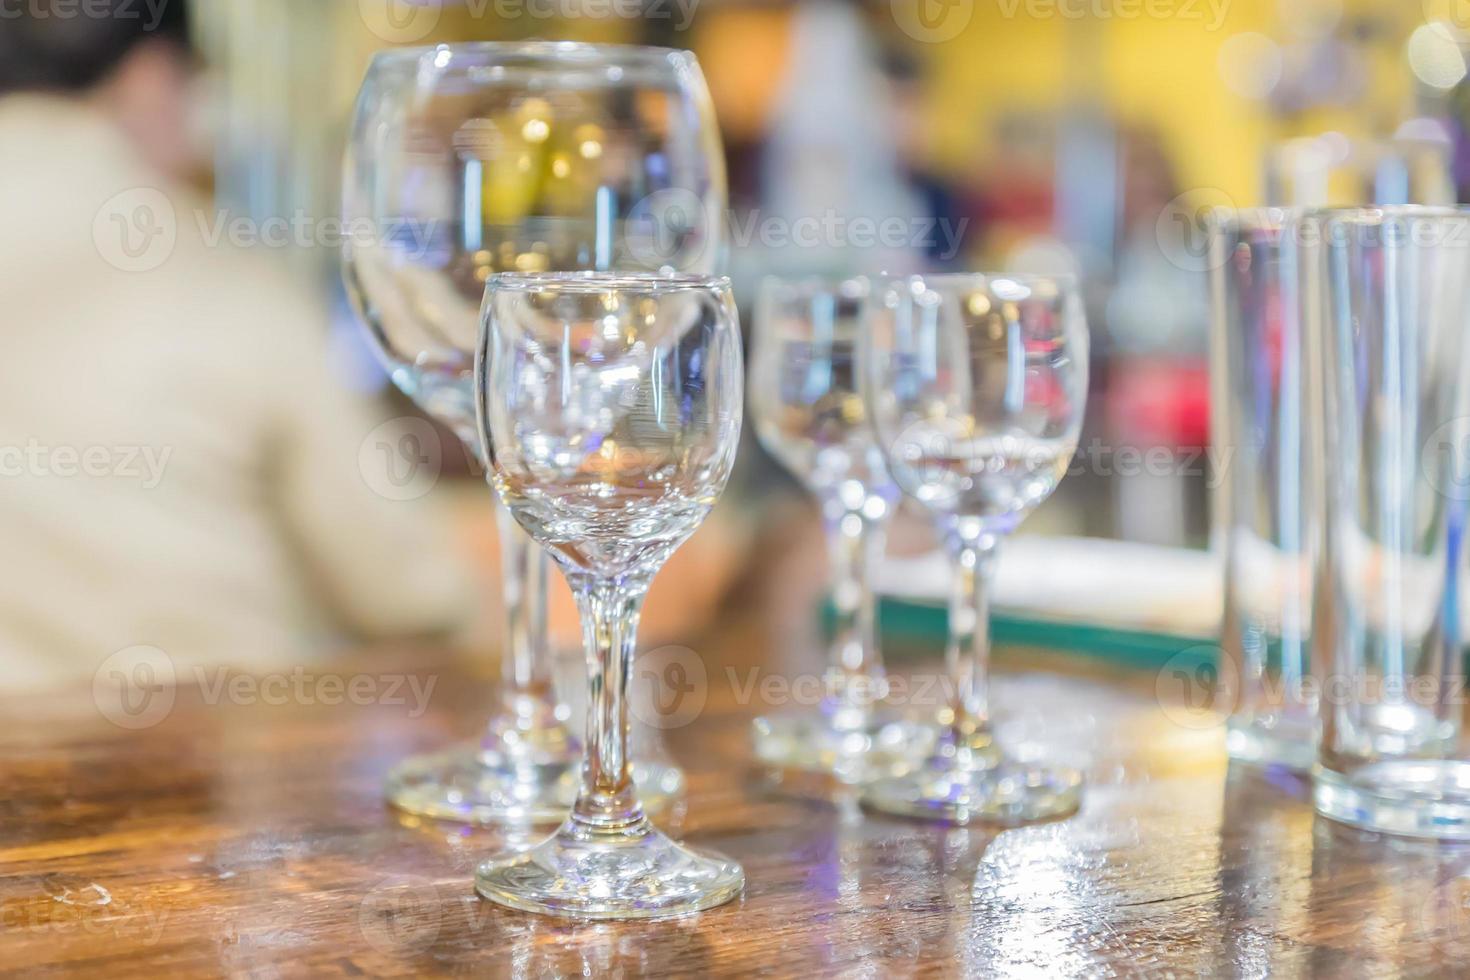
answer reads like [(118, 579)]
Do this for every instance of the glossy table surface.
[(241, 832)]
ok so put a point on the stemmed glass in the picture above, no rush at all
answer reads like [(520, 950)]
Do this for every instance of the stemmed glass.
[(807, 406), (610, 408), (976, 386), (470, 159)]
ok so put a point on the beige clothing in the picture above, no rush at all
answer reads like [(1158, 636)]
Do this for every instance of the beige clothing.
[(178, 465)]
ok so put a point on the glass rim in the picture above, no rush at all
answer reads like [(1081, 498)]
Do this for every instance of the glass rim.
[(596, 282), (550, 52)]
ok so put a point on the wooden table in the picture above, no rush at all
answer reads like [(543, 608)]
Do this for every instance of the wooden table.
[(242, 837)]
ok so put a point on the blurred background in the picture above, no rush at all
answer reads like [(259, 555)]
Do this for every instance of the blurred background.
[(1089, 136)]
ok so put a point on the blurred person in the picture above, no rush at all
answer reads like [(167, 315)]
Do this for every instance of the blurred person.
[(833, 198), (947, 246), (179, 467)]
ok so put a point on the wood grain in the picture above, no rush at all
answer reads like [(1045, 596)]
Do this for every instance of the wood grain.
[(244, 838)]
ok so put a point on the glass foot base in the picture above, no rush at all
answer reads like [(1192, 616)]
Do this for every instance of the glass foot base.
[(1414, 797), (457, 785), (638, 873), (1008, 793), (810, 743)]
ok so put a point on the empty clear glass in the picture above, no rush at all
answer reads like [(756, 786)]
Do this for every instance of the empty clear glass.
[(976, 385), (807, 407), (1386, 300), (470, 159), (1265, 506), (611, 411)]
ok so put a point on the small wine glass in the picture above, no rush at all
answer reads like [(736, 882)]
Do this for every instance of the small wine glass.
[(468, 159), (806, 402), (976, 385), (610, 406)]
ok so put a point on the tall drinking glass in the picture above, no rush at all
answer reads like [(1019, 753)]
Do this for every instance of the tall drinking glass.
[(471, 159), (1387, 295), (976, 385), (807, 406), (1266, 505), (610, 407)]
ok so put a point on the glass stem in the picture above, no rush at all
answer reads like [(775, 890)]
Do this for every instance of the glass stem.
[(855, 678), (968, 739), (528, 728), (524, 581), (607, 802)]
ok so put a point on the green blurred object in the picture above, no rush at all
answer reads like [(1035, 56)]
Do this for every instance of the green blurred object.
[(903, 620)]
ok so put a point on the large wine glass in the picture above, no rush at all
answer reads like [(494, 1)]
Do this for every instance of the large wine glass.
[(471, 159), (976, 385), (610, 408)]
